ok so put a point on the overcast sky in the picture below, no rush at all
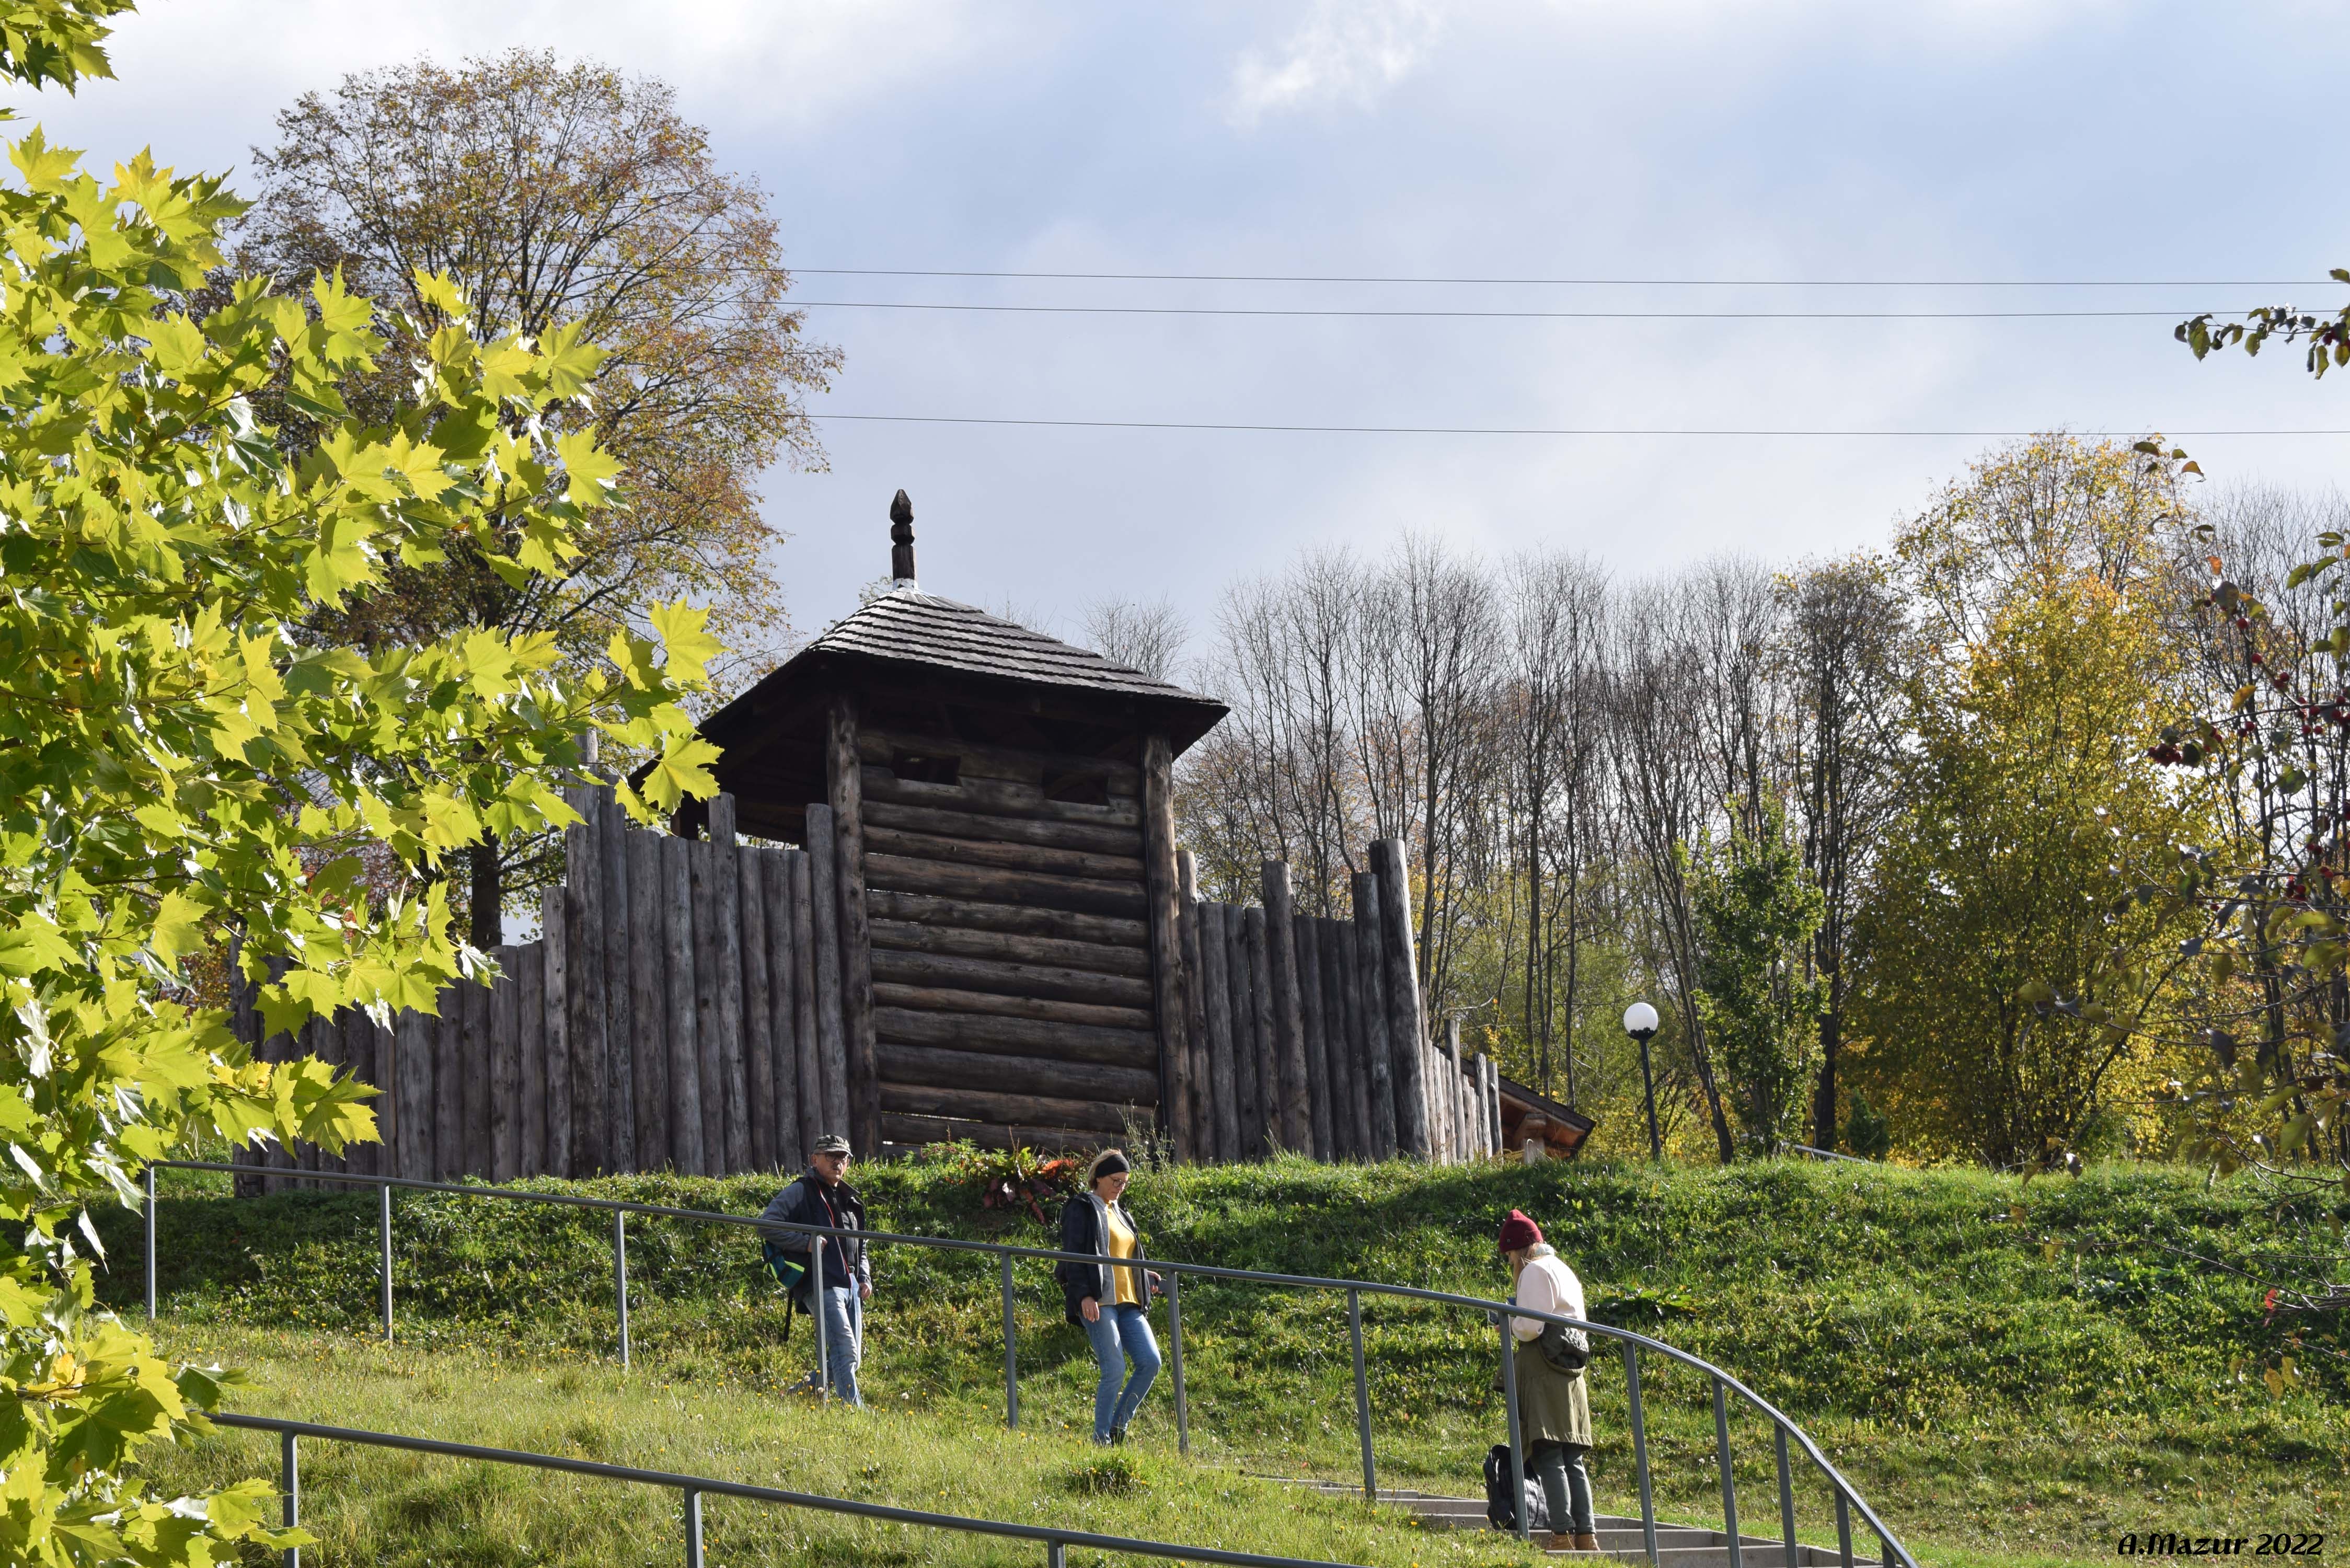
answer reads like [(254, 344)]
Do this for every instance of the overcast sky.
[(2034, 139)]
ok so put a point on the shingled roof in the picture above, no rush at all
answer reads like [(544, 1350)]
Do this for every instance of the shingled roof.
[(913, 627), (908, 634), (913, 656)]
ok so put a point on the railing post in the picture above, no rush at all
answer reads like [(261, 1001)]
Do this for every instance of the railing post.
[(383, 1227), (621, 1277), (1362, 1395), (1056, 1555), (1844, 1528), (1517, 1450), (692, 1528), (1640, 1450), (1011, 1354), (1787, 1493), (1884, 1550), (822, 1361), (151, 1243), (1728, 1481), (289, 1487), (1175, 1362)]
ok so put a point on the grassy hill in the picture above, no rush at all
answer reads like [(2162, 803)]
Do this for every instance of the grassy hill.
[(2003, 1368)]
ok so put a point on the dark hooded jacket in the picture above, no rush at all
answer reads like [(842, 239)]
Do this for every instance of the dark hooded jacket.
[(1083, 1230), (809, 1201)]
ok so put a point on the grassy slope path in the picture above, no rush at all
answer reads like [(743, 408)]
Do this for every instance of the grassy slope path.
[(2004, 1369), (370, 1507)]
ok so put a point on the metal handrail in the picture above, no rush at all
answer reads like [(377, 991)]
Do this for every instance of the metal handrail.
[(1830, 1154), (1056, 1541), (1500, 1313)]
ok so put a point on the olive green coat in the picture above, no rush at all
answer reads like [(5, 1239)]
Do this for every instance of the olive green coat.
[(1554, 1407)]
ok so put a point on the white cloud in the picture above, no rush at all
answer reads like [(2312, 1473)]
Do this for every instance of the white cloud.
[(200, 78), (1343, 52)]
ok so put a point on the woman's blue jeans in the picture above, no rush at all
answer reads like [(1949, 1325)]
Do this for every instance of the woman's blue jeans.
[(1120, 1334)]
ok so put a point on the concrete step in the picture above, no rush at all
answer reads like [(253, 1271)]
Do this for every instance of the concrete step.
[(1757, 1555), (1686, 1547), (1621, 1539), (1691, 1548), (1617, 1539)]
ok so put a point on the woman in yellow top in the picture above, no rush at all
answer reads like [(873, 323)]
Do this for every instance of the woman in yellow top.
[(1109, 1300)]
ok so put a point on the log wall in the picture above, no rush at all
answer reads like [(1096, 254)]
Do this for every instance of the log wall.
[(1025, 966)]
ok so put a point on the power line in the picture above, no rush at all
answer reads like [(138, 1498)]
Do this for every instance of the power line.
[(1519, 429), (1578, 281), (1500, 315)]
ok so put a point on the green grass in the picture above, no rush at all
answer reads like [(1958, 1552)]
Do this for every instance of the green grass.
[(375, 1507), (2000, 1388)]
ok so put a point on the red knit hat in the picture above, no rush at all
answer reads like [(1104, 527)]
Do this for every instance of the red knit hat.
[(1518, 1231)]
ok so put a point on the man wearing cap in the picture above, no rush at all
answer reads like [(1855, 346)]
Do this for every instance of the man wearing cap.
[(823, 1198)]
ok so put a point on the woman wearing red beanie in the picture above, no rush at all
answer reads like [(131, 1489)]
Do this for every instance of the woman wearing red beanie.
[(1554, 1407)]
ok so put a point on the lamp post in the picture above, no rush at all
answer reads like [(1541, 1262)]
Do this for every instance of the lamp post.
[(1640, 1023)]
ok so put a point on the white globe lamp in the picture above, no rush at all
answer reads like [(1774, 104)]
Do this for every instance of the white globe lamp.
[(1640, 1023)]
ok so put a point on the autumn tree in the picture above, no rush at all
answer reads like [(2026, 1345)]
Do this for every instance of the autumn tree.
[(1993, 890), (555, 192)]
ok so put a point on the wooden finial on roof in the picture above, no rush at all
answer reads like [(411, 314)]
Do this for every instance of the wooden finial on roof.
[(901, 538)]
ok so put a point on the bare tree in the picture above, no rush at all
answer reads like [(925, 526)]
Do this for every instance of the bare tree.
[(1551, 716), (1658, 749), (1150, 637), (1425, 690), (1284, 760), (1725, 616), (1842, 652)]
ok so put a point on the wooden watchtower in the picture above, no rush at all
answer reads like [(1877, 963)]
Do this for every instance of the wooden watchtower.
[(1002, 834)]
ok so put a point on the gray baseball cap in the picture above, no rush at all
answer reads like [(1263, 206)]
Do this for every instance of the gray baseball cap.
[(832, 1143)]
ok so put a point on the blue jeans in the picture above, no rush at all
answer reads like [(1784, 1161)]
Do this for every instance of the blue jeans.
[(1121, 1334), (844, 1341)]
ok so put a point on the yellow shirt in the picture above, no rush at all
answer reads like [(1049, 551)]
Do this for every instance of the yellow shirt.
[(1121, 1245)]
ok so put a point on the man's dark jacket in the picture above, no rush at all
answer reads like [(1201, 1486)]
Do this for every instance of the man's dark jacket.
[(809, 1201)]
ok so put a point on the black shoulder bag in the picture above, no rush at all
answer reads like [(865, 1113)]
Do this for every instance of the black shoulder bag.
[(1564, 1349)]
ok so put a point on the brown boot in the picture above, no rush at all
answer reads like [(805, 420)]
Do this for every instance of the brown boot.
[(1587, 1543), (1556, 1542)]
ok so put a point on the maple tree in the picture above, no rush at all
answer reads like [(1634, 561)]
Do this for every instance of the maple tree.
[(184, 771)]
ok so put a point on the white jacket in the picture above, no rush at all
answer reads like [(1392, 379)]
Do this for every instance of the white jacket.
[(1546, 1285)]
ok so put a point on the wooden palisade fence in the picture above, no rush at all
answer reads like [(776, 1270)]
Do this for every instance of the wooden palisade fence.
[(1307, 1033), (688, 1006), (685, 1009), (674, 1014)]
